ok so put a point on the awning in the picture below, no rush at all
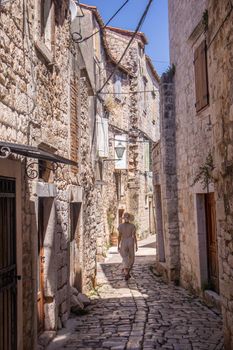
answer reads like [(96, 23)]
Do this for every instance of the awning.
[(7, 148)]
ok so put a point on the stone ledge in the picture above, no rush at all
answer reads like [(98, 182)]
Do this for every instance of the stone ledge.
[(212, 299), (44, 51), (161, 269), (45, 338)]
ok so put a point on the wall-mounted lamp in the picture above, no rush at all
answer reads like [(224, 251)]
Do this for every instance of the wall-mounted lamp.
[(120, 149)]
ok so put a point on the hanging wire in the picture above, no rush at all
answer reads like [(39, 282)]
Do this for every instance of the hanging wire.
[(140, 23), (118, 63), (128, 93), (113, 16)]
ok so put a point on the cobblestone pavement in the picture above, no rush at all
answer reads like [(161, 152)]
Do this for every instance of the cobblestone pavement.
[(143, 313)]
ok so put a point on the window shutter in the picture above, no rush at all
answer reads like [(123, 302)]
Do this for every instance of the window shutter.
[(201, 78)]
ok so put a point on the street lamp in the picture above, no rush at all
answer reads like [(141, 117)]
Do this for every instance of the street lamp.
[(120, 149)]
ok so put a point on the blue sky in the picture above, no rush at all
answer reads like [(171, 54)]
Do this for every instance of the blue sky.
[(155, 26)]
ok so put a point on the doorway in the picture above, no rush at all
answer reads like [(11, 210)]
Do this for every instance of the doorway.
[(212, 245), (159, 224), (120, 216), (8, 267), (75, 246), (151, 217)]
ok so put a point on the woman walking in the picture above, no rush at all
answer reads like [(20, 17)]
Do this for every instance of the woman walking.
[(127, 243)]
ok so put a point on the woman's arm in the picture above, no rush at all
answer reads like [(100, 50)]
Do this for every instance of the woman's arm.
[(135, 240), (119, 240)]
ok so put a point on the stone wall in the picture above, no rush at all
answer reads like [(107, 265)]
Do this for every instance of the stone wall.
[(220, 54), (143, 124), (35, 109), (196, 135), (165, 183), (193, 137)]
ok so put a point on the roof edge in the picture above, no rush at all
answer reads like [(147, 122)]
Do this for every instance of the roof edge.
[(100, 21), (129, 33)]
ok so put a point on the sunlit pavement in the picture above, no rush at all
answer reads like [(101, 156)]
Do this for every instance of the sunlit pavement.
[(143, 313)]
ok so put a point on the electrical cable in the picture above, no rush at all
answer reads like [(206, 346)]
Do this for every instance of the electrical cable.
[(113, 16), (128, 93), (128, 45)]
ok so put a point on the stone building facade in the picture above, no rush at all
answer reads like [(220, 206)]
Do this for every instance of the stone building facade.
[(47, 167), (35, 126), (60, 194), (121, 118), (192, 163), (142, 109)]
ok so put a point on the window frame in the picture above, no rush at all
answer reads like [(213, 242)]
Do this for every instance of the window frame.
[(45, 43)]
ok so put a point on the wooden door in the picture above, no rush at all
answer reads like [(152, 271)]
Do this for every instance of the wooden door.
[(8, 272), (151, 218), (40, 268), (212, 246)]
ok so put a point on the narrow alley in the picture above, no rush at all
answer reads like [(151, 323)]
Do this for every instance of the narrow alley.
[(143, 313), (116, 128)]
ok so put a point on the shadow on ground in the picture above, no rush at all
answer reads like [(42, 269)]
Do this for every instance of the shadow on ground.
[(142, 314)]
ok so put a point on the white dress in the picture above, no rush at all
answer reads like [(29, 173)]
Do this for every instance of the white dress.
[(127, 245)]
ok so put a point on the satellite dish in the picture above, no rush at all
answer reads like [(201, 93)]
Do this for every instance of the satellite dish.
[(73, 9)]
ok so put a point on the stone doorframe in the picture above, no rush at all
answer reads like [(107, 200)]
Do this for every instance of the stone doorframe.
[(11, 168), (48, 192), (159, 221), (201, 233), (75, 196)]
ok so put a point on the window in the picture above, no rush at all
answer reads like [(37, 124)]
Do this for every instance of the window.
[(117, 89), (73, 122), (75, 209), (147, 156), (141, 50), (144, 94), (47, 23), (98, 75), (96, 43), (201, 78)]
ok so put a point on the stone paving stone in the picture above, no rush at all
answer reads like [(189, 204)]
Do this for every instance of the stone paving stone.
[(142, 314)]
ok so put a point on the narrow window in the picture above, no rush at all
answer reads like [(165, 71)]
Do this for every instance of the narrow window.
[(74, 122), (201, 77), (145, 94), (96, 43), (117, 89), (47, 22)]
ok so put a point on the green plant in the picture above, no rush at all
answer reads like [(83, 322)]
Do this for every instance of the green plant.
[(171, 70), (205, 173), (205, 20)]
